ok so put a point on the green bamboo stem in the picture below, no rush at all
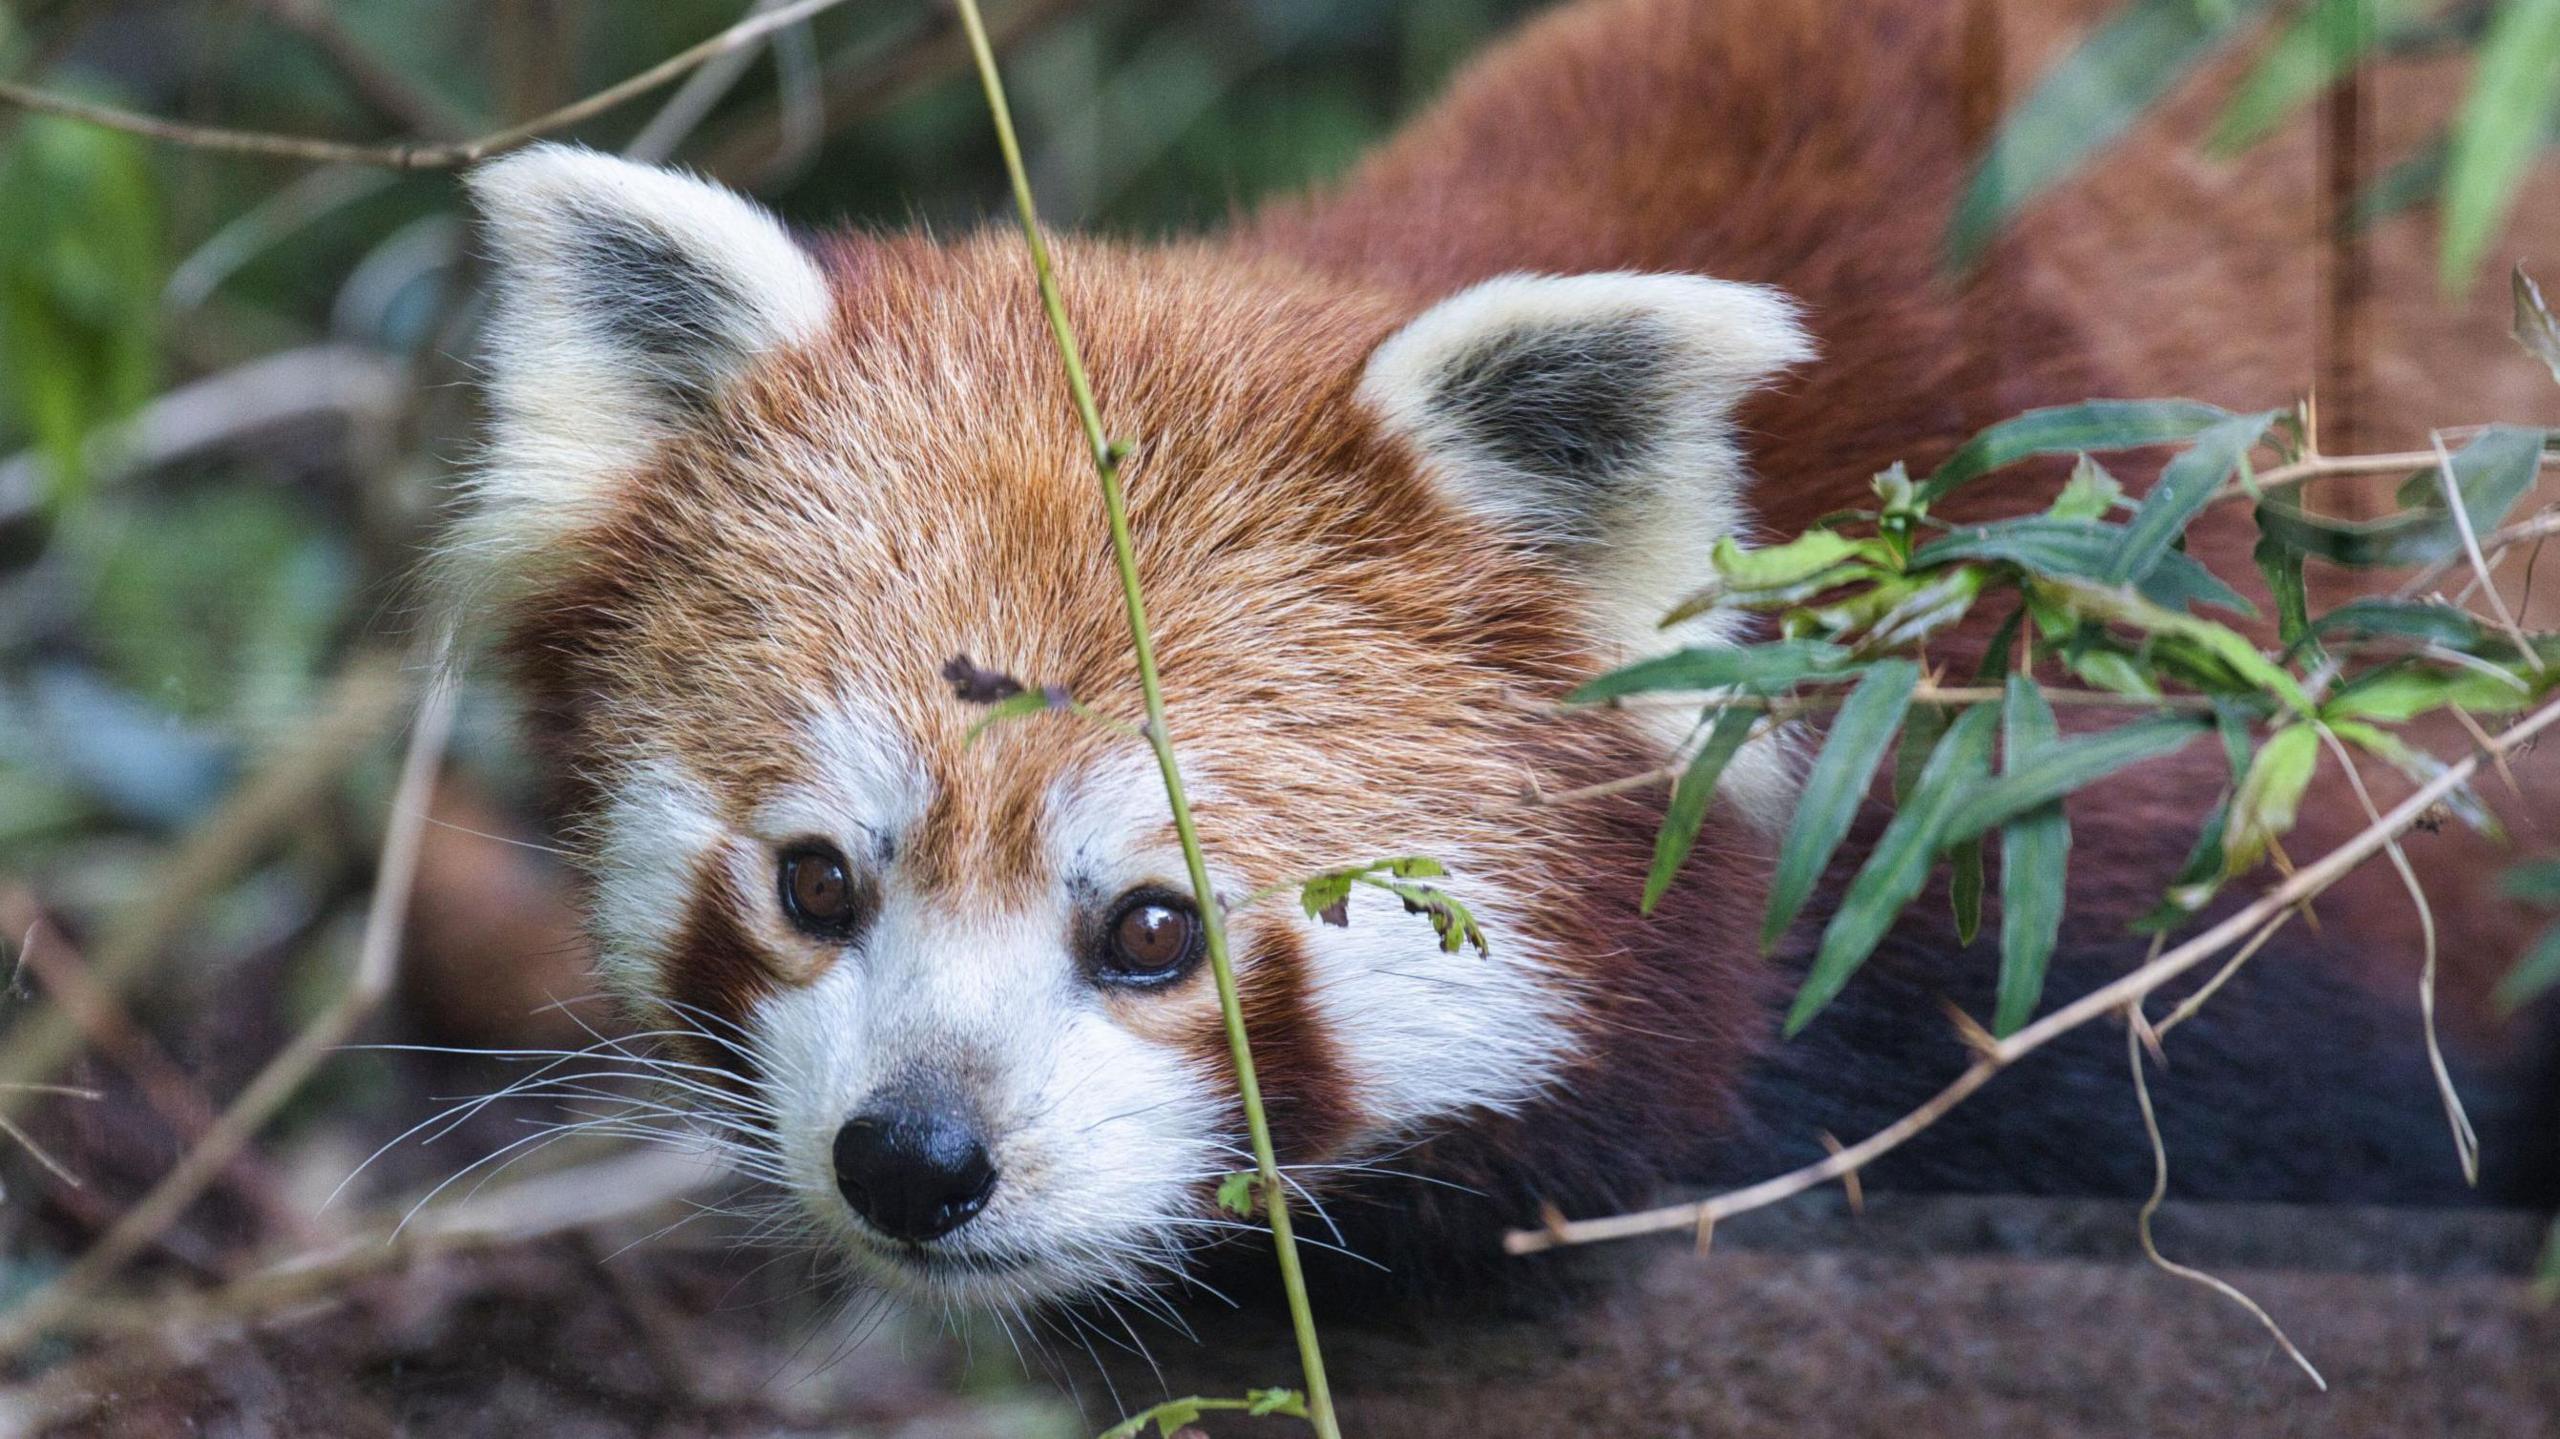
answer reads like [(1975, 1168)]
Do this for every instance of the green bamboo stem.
[(1106, 463)]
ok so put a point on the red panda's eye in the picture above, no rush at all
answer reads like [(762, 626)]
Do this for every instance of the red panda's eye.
[(819, 892), (1153, 937)]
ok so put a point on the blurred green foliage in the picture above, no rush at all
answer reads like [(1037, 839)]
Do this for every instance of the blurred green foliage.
[(2297, 50)]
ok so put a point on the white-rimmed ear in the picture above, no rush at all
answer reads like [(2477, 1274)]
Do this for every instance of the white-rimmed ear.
[(625, 297), (1591, 416)]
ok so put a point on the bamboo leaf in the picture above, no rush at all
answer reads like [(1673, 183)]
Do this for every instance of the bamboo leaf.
[(2083, 549), (2049, 771), (2186, 484), (2082, 105), (2281, 564), (2514, 90), (1771, 666), (2422, 768), (2088, 427), (2091, 493), (2223, 643), (2533, 976), (2200, 878), (2320, 46), (2263, 809), (2035, 853), (1865, 724), (1894, 874), (1689, 799), (2428, 622)]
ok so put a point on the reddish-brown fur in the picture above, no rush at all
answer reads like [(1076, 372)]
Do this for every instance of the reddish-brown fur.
[(1345, 651)]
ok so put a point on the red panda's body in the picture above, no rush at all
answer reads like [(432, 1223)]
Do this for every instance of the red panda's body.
[(743, 505)]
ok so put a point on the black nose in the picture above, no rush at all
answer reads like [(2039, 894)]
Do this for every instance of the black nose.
[(917, 1171)]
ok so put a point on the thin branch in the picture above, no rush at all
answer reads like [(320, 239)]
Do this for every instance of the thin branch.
[(416, 156), (2479, 563), (2160, 1192), (377, 960), (2466, 1140), (1106, 465), (2111, 998)]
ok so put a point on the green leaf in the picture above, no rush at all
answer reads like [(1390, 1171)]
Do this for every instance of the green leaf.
[(2082, 105), (2514, 89), (2201, 877), (1237, 1193), (2035, 853), (80, 276), (2090, 426), (1689, 799), (1798, 559), (2221, 642), (1964, 889), (2091, 494), (2403, 690), (2537, 883), (2319, 47), (1263, 1402), (1011, 707), (1894, 874), (2048, 771), (2422, 769), (1833, 791), (2534, 327), (2425, 621), (2406, 185), (2495, 470), (2533, 976), (2085, 549), (2186, 484), (2263, 809), (1770, 666), (2281, 564)]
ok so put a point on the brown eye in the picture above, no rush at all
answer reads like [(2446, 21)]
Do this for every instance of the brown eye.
[(819, 892), (1153, 937)]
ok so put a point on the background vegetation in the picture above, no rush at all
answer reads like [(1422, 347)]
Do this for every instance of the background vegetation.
[(232, 390)]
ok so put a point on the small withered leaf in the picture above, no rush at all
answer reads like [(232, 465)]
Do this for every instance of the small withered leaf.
[(1337, 914), (978, 686)]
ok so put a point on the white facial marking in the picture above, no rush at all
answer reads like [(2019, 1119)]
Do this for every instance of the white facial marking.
[(648, 849)]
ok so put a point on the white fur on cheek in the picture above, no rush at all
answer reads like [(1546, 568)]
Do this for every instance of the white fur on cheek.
[(1428, 1035), (646, 857)]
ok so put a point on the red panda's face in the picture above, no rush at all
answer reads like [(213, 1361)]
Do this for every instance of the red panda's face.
[(743, 508)]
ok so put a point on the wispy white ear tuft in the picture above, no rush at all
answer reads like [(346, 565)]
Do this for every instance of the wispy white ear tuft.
[(1591, 415), (626, 297)]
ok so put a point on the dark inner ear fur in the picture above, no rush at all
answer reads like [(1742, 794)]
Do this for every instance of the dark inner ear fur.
[(642, 290), (1581, 407)]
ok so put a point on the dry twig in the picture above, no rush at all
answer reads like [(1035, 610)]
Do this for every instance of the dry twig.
[(415, 156)]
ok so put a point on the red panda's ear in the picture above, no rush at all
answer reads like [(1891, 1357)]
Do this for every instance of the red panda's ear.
[(1569, 407), (1591, 417), (624, 297)]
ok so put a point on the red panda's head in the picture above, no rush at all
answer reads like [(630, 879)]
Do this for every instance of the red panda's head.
[(743, 502)]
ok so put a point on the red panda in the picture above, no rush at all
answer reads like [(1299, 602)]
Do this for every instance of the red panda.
[(1411, 456)]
